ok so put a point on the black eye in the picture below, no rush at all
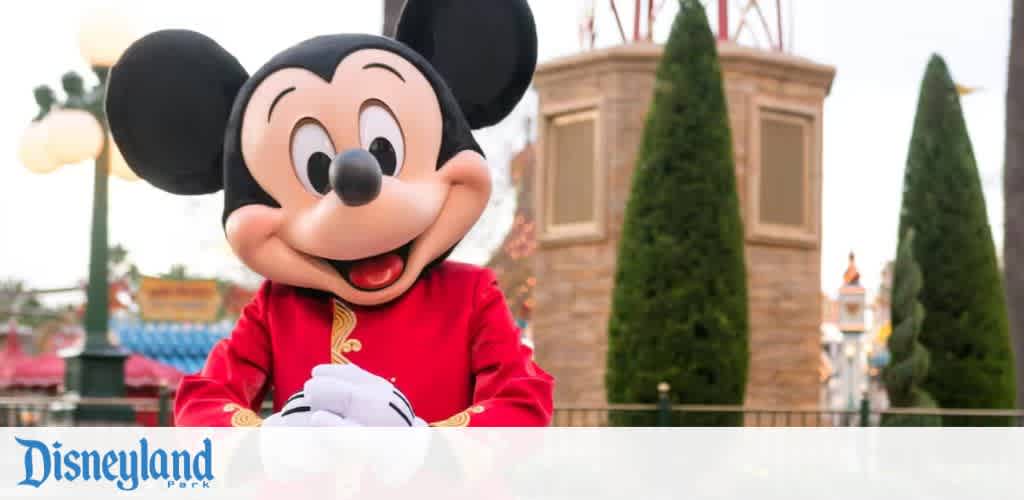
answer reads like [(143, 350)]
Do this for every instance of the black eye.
[(380, 134), (318, 168), (312, 153), (384, 152)]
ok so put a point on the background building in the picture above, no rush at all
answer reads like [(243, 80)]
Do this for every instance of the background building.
[(592, 111), (853, 342)]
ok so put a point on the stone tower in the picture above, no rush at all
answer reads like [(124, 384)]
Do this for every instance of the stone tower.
[(592, 111)]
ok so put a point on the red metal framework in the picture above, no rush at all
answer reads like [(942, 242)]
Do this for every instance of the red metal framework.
[(750, 15), (752, 7)]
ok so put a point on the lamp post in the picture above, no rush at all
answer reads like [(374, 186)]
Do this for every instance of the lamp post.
[(70, 132)]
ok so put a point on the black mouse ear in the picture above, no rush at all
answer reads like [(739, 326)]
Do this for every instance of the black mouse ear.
[(486, 50), (168, 102)]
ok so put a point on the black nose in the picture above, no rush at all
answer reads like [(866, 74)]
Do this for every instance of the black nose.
[(356, 177)]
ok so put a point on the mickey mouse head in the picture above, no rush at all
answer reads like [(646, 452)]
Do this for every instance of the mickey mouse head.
[(347, 161)]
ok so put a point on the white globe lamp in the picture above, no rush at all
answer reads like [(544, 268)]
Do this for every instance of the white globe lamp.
[(33, 150), (104, 35), (75, 136)]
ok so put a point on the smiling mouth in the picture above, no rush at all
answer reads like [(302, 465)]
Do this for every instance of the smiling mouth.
[(373, 273)]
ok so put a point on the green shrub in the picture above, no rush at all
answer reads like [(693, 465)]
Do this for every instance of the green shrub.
[(910, 360)]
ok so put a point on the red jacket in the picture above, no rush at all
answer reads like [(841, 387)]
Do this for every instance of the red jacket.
[(449, 344)]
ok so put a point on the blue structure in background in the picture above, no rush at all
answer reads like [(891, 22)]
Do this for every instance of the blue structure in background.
[(186, 346), (183, 346)]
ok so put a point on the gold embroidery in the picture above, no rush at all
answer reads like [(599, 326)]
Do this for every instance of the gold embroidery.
[(242, 417), (460, 419), (343, 325)]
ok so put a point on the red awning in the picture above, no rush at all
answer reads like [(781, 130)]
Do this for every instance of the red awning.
[(23, 371), (18, 370), (140, 371)]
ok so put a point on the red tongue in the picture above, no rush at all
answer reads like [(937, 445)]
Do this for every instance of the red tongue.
[(376, 272)]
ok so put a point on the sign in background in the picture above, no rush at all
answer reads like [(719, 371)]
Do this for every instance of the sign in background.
[(176, 300)]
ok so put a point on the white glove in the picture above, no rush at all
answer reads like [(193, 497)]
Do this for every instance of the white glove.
[(353, 393), (359, 396), (290, 453), (298, 413)]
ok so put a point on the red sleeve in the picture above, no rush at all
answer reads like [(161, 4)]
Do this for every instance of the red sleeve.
[(230, 389), (510, 390)]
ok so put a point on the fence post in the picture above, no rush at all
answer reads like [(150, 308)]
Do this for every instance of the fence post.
[(164, 409), (664, 405), (71, 399), (62, 411), (865, 411)]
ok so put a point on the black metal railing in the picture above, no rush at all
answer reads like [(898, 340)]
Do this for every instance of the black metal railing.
[(29, 411), (58, 411), (653, 415)]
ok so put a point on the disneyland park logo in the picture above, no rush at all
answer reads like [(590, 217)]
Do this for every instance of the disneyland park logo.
[(125, 469)]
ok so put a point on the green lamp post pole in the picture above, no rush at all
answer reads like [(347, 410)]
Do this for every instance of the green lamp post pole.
[(71, 132), (98, 370)]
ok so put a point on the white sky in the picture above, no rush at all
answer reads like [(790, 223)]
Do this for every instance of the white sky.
[(879, 47)]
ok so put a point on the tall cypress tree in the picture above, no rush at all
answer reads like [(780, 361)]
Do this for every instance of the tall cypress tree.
[(910, 360), (679, 309), (965, 329)]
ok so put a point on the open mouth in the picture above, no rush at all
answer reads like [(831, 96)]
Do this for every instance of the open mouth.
[(373, 273)]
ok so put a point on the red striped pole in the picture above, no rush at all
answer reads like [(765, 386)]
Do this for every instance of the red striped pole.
[(723, 20), (636, 22), (650, 20)]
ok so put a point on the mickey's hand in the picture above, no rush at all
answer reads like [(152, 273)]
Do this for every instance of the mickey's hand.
[(290, 453), (298, 413), (353, 393), (349, 392)]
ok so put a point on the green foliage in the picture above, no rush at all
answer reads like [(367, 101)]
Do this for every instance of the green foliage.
[(679, 311), (910, 360), (19, 303), (965, 329)]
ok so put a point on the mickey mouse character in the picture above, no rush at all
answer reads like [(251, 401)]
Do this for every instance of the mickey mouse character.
[(349, 173)]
